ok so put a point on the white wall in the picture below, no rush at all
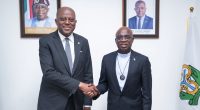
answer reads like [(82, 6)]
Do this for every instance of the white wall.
[(98, 20)]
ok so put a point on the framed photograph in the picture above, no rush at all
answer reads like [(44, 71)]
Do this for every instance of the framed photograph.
[(37, 17), (142, 17)]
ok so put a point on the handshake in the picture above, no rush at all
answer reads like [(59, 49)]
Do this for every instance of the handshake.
[(89, 90)]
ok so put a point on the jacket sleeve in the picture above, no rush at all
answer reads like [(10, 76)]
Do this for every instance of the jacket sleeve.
[(88, 74), (103, 84), (146, 85)]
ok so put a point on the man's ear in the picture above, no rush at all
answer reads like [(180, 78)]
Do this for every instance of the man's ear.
[(56, 21)]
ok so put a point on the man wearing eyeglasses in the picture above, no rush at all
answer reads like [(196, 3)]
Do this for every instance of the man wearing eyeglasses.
[(40, 13), (66, 65), (126, 75)]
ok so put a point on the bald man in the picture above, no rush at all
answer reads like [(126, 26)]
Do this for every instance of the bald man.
[(126, 75)]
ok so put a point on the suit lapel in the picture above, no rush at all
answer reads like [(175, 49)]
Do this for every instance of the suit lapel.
[(77, 49), (145, 22), (114, 75), (135, 22), (130, 69), (61, 51)]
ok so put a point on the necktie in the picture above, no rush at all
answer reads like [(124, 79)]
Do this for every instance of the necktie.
[(68, 53), (139, 23)]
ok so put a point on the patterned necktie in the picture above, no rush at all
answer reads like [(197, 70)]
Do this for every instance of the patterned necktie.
[(68, 53), (139, 23)]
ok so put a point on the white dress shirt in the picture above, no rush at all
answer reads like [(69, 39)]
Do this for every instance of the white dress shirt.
[(71, 43), (122, 65)]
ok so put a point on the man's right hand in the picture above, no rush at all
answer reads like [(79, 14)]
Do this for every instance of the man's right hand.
[(85, 87), (89, 90)]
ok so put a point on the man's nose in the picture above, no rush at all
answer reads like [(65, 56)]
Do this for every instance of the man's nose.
[(67, 21)]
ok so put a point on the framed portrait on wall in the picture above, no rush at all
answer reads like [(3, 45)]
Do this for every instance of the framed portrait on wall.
[(37, 17), (142, 17)]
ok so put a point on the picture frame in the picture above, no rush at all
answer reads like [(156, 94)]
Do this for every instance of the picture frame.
[(33, 21), (149, 25)]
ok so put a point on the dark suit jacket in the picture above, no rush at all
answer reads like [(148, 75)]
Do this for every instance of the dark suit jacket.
[(147, 24), (136, 94), (58, 84)]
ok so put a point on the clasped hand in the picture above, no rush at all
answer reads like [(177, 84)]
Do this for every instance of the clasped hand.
[(89, 90)]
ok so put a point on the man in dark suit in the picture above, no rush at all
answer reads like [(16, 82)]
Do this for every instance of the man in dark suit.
[(141, 20), (66, 65), (126, 75)]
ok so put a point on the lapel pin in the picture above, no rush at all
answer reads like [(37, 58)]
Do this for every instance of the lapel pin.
[(78, 43), (81, 51), (134, 59)]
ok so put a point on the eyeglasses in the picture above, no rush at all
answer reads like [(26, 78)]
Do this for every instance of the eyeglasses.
[(64, 19), (123, 37)]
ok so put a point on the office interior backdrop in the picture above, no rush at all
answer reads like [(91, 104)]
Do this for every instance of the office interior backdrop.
[(98, 20)]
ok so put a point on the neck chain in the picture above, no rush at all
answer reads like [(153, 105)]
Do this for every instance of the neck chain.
[(122, 77)]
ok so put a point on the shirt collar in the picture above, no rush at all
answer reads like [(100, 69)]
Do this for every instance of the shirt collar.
[(141, 17), (124, 55), (62, 37)]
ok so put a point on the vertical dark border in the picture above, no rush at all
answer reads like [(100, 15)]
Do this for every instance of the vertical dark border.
[(146, 36), (124, 12), (22, 21), (157, 18), (22, 28), (58, 4)]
